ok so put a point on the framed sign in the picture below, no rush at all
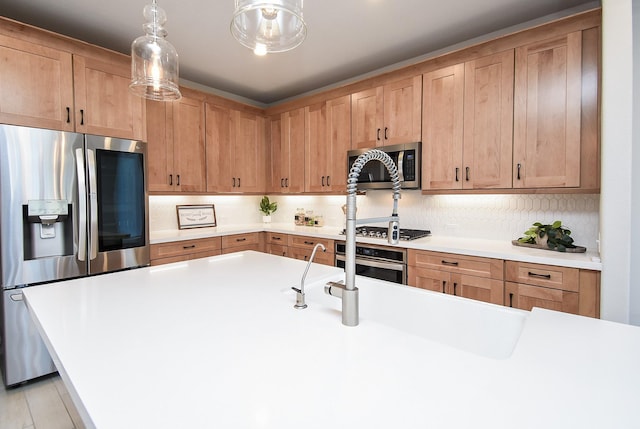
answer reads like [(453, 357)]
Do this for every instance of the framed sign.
[(196, 216)]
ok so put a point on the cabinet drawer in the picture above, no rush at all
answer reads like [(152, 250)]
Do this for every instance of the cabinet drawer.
[(241, 248), (471, 265), (562, 278), (309, 242), (525, 297), (184, 247), (276, 238), (240, 240), (321, 257), (277, 249)]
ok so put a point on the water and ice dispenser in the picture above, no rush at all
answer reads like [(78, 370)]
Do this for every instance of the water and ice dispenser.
[(48, 229)]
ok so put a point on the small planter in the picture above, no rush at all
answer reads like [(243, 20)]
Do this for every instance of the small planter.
[(266, 219)]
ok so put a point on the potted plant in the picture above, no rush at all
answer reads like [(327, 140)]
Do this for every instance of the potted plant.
[(267, 207), (554, 236)]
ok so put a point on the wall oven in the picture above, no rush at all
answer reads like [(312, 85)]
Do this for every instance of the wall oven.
[(374, 175), (378, 262)]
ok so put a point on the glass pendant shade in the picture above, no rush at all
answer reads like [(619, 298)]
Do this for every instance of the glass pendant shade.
[(268, 26), (154, 61)]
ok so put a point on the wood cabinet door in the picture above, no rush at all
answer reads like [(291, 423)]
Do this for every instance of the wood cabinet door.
[(547, 113), (339, 140), (367, 117), (424, 278), (292, 153), (478, 288), (218, 148), (36, 85), (247, 140), (104, 105), (402, 111), (277, 182), (160, 147), (525, 297), (317, 150), (488, 122), (442, 128), (189, 145)]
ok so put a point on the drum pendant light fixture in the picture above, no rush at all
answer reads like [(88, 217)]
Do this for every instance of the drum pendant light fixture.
[(154, 61), (268, 26)]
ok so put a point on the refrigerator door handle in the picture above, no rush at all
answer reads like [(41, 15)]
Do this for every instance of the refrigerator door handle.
[(82, 206), (93, 204)]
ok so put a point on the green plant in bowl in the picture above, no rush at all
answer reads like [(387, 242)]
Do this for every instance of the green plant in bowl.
[(556, 236)]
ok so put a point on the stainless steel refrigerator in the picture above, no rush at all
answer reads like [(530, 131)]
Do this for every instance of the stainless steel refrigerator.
[(71, 205)]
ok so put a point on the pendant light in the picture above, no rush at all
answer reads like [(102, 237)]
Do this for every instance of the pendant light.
[(154, 61), (268, 26)]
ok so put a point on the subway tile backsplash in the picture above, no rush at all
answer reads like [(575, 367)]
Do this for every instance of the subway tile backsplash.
[(498, 217)]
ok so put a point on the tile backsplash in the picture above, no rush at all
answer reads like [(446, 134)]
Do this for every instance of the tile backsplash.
[(499, 217)]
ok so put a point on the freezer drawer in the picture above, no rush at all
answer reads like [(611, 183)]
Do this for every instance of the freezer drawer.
[(24, 355)]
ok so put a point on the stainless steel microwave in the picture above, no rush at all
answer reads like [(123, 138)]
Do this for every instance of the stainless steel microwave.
[(374, 174)]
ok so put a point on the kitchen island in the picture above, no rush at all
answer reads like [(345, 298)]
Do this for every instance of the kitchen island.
[(216, 342)]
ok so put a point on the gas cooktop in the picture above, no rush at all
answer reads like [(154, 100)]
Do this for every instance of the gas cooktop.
[(381, 232)]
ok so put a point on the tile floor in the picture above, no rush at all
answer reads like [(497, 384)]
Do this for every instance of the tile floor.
[(41, 404)]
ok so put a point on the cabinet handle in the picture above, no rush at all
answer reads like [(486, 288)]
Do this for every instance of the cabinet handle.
[(177, 180), (510, 299), (453, 263), (323, 181), (286, 182), (519, 166), (310, 243), (378, 134), (455, 285), (276, 238), (385, 133), (444, 285), (457, 171), (170, 179), (282, 183), (238, 182), (189, 247), (467, 174), (328, 180), (68, 115), (234, 182), (81, 116), (542, 276), (241, 239)]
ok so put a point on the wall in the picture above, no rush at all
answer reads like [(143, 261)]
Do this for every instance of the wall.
[(498, 217), (634, 297), (616, 196)]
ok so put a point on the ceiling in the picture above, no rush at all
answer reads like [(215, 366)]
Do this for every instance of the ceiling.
[(346, 38)]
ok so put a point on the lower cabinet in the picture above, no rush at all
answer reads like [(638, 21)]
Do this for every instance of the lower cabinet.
[(239, 242), (299, 247), (467, 276), (570, 290), (176, 251)]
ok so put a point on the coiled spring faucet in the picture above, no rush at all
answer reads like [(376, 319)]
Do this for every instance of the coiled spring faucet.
[(300, 304)]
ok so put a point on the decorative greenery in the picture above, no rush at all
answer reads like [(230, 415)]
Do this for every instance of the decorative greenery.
[(267, 207), (557, 236)]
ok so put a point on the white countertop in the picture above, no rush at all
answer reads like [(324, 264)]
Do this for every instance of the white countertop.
[(210, 343), (498, 249)]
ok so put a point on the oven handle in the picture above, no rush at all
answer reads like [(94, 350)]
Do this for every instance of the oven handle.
[(374, 264)]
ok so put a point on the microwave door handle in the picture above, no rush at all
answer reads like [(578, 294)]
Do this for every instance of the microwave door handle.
[(93, 204), (401, 165), (82, 206)]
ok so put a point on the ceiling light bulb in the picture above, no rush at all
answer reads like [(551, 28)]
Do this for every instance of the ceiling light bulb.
[(260, 49)]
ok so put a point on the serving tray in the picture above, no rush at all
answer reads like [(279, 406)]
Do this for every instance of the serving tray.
[(577, 249)]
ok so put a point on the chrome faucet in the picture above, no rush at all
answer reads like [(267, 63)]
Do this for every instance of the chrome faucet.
[(300, 304), (349, 292)]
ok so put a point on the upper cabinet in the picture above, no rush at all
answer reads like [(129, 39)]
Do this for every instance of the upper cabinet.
[(45, 87), (327, 140), (468, 123), (176, 146), (103, 103), (287, 152), (235, 142), (387, 115), (547, 113)]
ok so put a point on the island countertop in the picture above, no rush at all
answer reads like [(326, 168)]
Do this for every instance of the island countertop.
[(216, 342)]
